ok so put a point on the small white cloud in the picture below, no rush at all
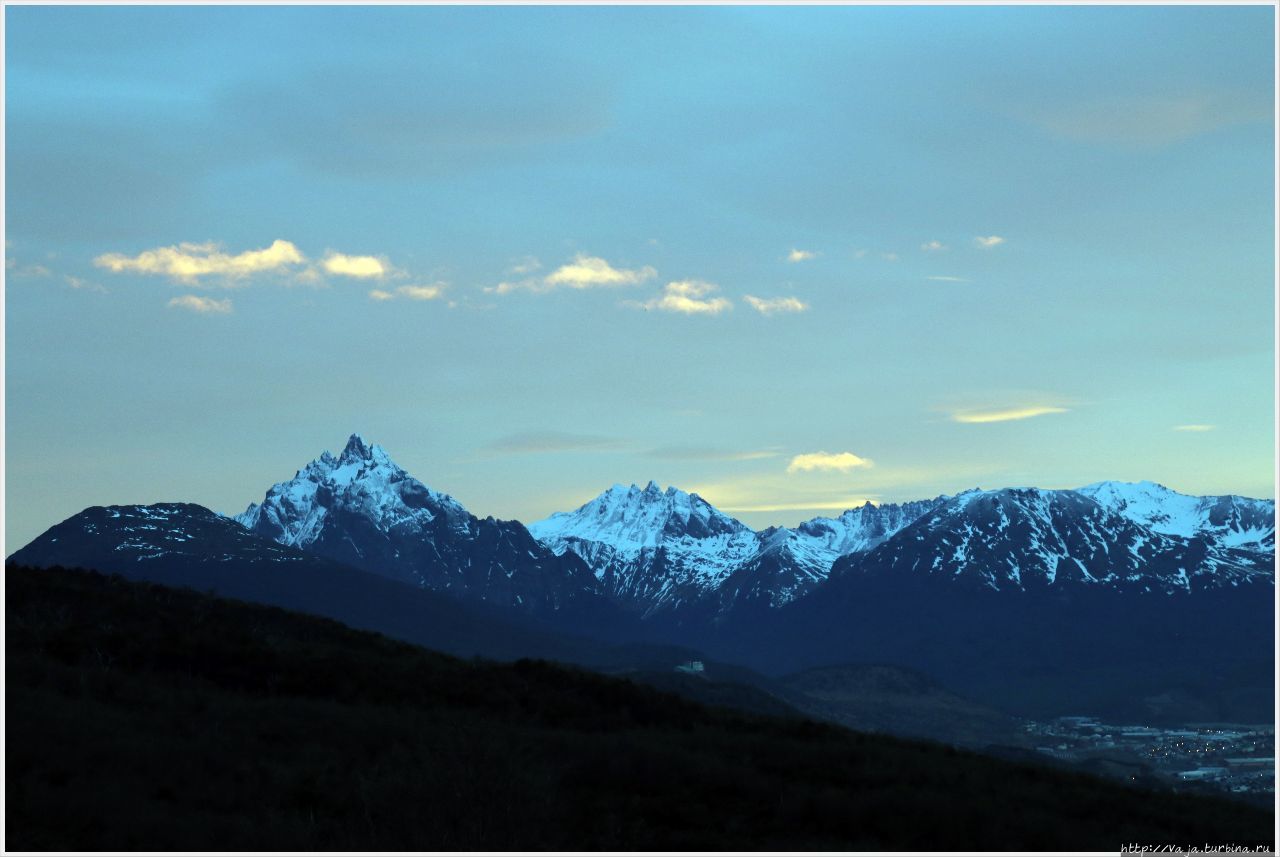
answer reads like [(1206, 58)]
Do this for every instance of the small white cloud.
[(889, 257), (948, 279), (859, 254), (688, 297), (1195, 427), (1005, 414), (933, 246), (988, 241), (195, 303), (769, 306), (506, 287), (188, 262), (800, 255), (840, 461), (359, 267), (586, 272), (381, 295)]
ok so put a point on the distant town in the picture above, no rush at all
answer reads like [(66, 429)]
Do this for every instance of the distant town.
[(1206, 757)]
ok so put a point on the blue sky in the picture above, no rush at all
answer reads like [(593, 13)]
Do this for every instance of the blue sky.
[(791, 258)]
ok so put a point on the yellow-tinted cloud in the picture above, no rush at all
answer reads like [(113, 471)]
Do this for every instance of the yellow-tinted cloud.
[(360, 267), (769, 306), (586, 272), (1006, 414), (841, 461), (688, 297), (188, 262), (800, 255), (988, 241), (381, 295), (195, 303), (1195, 427)]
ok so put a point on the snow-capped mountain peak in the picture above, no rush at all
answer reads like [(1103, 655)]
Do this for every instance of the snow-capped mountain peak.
[(633, 518), (1237, 522), (662, 548), (363, 509), (651, 545), (362, 478), (1026, 538)]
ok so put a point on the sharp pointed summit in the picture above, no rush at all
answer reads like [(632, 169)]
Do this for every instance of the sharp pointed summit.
[(363, 509)]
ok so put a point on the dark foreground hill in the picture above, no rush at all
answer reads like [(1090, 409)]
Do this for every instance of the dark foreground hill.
[(143, 717)]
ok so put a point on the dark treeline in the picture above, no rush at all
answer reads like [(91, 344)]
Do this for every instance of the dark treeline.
[(144, 717)]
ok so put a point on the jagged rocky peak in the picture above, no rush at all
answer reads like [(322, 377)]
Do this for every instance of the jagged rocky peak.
[(362, 480), (822, 540)]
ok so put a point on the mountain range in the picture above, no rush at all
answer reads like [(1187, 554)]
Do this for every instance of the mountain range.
[(664, 566)]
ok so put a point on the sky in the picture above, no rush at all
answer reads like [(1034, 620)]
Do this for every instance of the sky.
[(791, 258)]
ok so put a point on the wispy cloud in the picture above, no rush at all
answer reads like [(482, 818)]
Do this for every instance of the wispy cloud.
[(1195, 427), (889, 257), (358, 267), (84, 285), (948, 279), (797, 255), (988, 241), (840, 461), (413, 293), (769, 306), (688, 297), (705, 453), (26, 270), (196, 303), (550, 441), (188, 262), (527, 265), (933, 246), (1150, 119), (817, 505), (1005, 414)]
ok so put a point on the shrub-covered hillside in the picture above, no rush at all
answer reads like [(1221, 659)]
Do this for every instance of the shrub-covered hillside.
[(142, 717)]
